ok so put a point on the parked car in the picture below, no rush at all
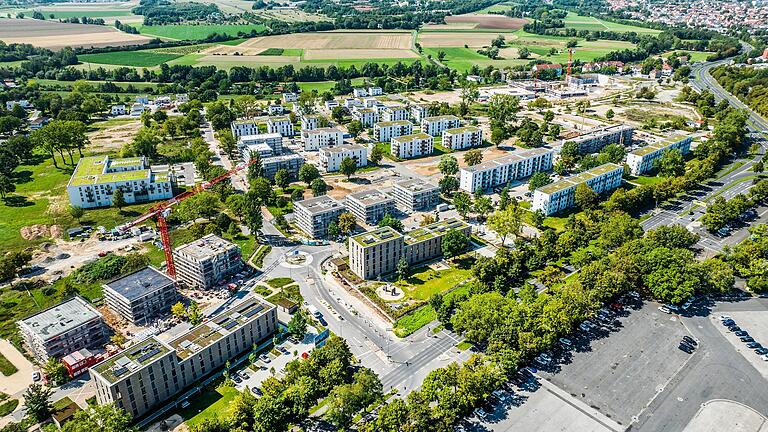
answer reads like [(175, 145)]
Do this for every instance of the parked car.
[(734, 328), (566, 342), (741, 333), (665, 309), (754, 345), (761, 351), (686, 348), (689, 340), (729, 322), (725, 318), (746, 339), (584, 327)]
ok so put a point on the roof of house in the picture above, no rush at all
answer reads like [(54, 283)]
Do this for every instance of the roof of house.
[(91, 170), (342, 148), (131, 359), (382, 124), (370, 197), (139, 283), (317, 205), (441, 118), (61, 318), (433, 230), (642, 151), (579, 178), (407, 138), (548, 66), (376, 236), (415, 185), (462, 129), (205, 247)]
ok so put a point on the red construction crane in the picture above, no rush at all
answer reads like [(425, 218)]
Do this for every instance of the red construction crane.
[(162, 210)]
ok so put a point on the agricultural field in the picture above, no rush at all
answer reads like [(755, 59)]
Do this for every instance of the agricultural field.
[(483, 21), (580, 22), (142, 58), (197, 32), (56, 35), (290, 15)]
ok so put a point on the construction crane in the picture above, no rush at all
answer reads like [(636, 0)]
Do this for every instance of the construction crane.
[(570, 61), (163, 210)]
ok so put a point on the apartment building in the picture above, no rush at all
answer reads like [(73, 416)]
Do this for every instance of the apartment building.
[(96, 178), (142, 296), (63, 329), (411, 146), (289, 97), (310, 121), (419, 112), (384, 131), (394, 113), (280, 125), (118, 110), (366, 116), (435, 126), (322, 137), (141, 378), (375, 91), (313, 215), (275, 109), (359, 92), (595, 139), (500, 171), (412, 195), (376, 253), (243, 127), (206, 262), (331, 157), (289, 162), (273, 140), (560, 195), (370, 206), (462, 138), (642, 160)]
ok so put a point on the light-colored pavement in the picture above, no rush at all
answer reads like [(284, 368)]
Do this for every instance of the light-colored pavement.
[(253, 378), (724, 415), (15, 384), (756, 324)]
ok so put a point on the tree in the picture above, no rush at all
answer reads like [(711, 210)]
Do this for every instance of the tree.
[(483, 205), (448, 184), (194, 314), (391, 222), (282, 178), (502, 109), (585, 197), (61, 136), (473, 157), (297, 326), (671, 163), (572, 43), (506, 222), (145, 143), (377, 154), (56, 371), (504, 198), (427, 219), (318, 187), (12, 262), (355, 128), (103, 418), (609, 114), (463, 203), (76, 212), (538, 179), (347, 222), (6, 186), (297, 195), (333, 229), (453, 243), (308, 172), (118, 201), (523, 53), (236, 204), (348, 167), (252, 211), (392, 416), (262, 189), (469, 94), (402, 268), (37, 400), (448, 165)]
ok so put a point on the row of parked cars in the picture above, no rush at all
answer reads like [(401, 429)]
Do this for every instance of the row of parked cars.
[(744, 336)]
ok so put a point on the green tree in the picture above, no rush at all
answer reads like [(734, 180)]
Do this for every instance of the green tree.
[(333, 229), (319, 187), (37, 400), (377, 154), (347, 222), (448, 165), (453, 243), (671, 163), (6, 186), (483, 205), (402, 269), (194, 314), (76, 212), (355, 128), (178, 310), (60, 136), (585, 197), (282, 178), (391, 222), (56, 371), (538, 179), (252, 211), (463, 203), (473, 157), (392, 416), (118, 201), (523, 53), (609, 114), (448, 184), (262, 189), (348, 167), (297, 326), (105, 418), (236, 204), (145, 143), (508, 221), (307, 173)]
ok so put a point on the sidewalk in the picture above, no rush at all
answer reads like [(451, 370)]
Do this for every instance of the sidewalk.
[(15, 384)]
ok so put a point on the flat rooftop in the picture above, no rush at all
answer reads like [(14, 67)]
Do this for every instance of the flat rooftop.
[(259, 137), (341, 148), (382, 124), (508, 159), (642, 151), (416, 185), (278, 119), (131, 359), (61, 318), (244, 121), (91, 170), (285, 157), (370, 197), (206, 247), (318, 205), (407, 138), (139, 283), (441, 118), (377, 236), (433, 230), (601, 131), (462, 129), (579, 178), (319, 131)]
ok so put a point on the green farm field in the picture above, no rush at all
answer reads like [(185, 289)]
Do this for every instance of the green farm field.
[(90, 13), (197, 32), (580, 22), (143, 58)]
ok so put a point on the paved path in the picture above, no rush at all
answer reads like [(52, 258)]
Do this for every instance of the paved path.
[(15, 384)]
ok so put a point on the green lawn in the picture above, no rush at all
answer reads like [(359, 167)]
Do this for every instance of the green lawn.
[(143, 58), (198, 32), (6, 367), (208, 405), (579, 22), (281, 282), (323, 86), (417, 319), (8, 407), (424, 282), (646, 180)]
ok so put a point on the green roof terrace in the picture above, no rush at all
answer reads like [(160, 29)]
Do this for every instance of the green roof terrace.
[(377, 236), (91, 170), (462, 129), (407, 138), (393, 123), (131, 359), (578, 178)]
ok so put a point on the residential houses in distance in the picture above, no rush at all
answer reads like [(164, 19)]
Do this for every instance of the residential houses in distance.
[(500, 171), (315, 139), (274, 141), (331, 157), (593, 140), (434, 126), (642, 160), (366, 116), (384, 131), (290, 162), (280, 125), (243, 127), (561, 194), (314, 215), (411, 146)]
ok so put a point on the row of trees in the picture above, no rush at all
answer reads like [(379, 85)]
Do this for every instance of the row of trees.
[(722, 212)]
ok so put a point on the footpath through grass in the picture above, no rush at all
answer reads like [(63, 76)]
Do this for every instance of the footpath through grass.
[(210, 404)]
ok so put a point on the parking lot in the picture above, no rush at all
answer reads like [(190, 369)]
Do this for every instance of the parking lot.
[(253, 376), (755, 323), (619, 372)]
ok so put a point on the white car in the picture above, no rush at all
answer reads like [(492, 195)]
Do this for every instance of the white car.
[(764, 357), (665, 309), (36, 376), (724, 317)]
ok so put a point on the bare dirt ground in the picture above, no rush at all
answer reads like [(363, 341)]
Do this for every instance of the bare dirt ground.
[(56, 35), (114, 137), (451, 97), (489, 21), (378, 179), (60, 257)]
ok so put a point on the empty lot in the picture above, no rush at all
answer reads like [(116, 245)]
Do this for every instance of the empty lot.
[(56, 35)]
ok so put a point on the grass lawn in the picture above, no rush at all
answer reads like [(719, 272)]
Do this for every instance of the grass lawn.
[(424, 282), (6, 367), (142, 58), (281, 282), (198, 32), (646, 180), (48, 83), (415, 320), (81, 13), (464, 345), (261, 253), (323, 86), (579, 22), (290, 292), (8, 407), (210, 404)]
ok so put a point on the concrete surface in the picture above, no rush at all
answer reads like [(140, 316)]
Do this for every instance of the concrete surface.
[(756, 324), (724, 415), (15, 384)]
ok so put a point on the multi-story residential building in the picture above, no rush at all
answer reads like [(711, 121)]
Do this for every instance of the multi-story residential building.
[(290, 97), (641, 160), (394, 113), (96, 178), (413, 195), (352, 103), (257, 150), (206, 262), (435, 126), (560, 195), (310, 121), (411, 146), (375, 91), (275, 109), (498, 172), (117, 110), (290, 162), (376, 253), (462, 138), (243, 127), (331, 157), (359, 92), (419, 112), (331, 104), (137, 110), (372, 102), (595, 139), (273, 140), (147, 374), (322, 137), (384, 131), (366, 116), (281, 125), (370, 206), (313, 215), (141, 296), (62, 329)]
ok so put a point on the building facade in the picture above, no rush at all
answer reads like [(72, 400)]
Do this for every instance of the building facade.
[(96, 178), (412, 195), (310, 121), (322, 137), (594, 140), (206, 262), (419, 112), (142, 296), (394, 113), (561, 195), (370, 206), (642, 160), (331, 157), (63, 329), (384, 131), (280, 125), (273, 140), (435, 126), (498, 172), (366, 116), (411, 146), (462, 138), (243, 127), (289, 162), (314, 215)]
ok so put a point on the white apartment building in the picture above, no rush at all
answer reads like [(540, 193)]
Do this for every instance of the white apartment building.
[(331, 157), (384, 131), (290, 97), (462, 138), (413, 195), (281, 125), (97, 177), (275, 109), (117, 110), (322, 137), (435, 126), (360, 92), (206, 262), (642, 160), (366, 116), (370, 206), (419, 112), (350, 103), (394, 113), (314, 215), (375, 91), (593, 140), (181, 98), (560, 195), (273, 140), (243, 127), (137, 110), (411, 146), (505, 169), (309, 121)]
